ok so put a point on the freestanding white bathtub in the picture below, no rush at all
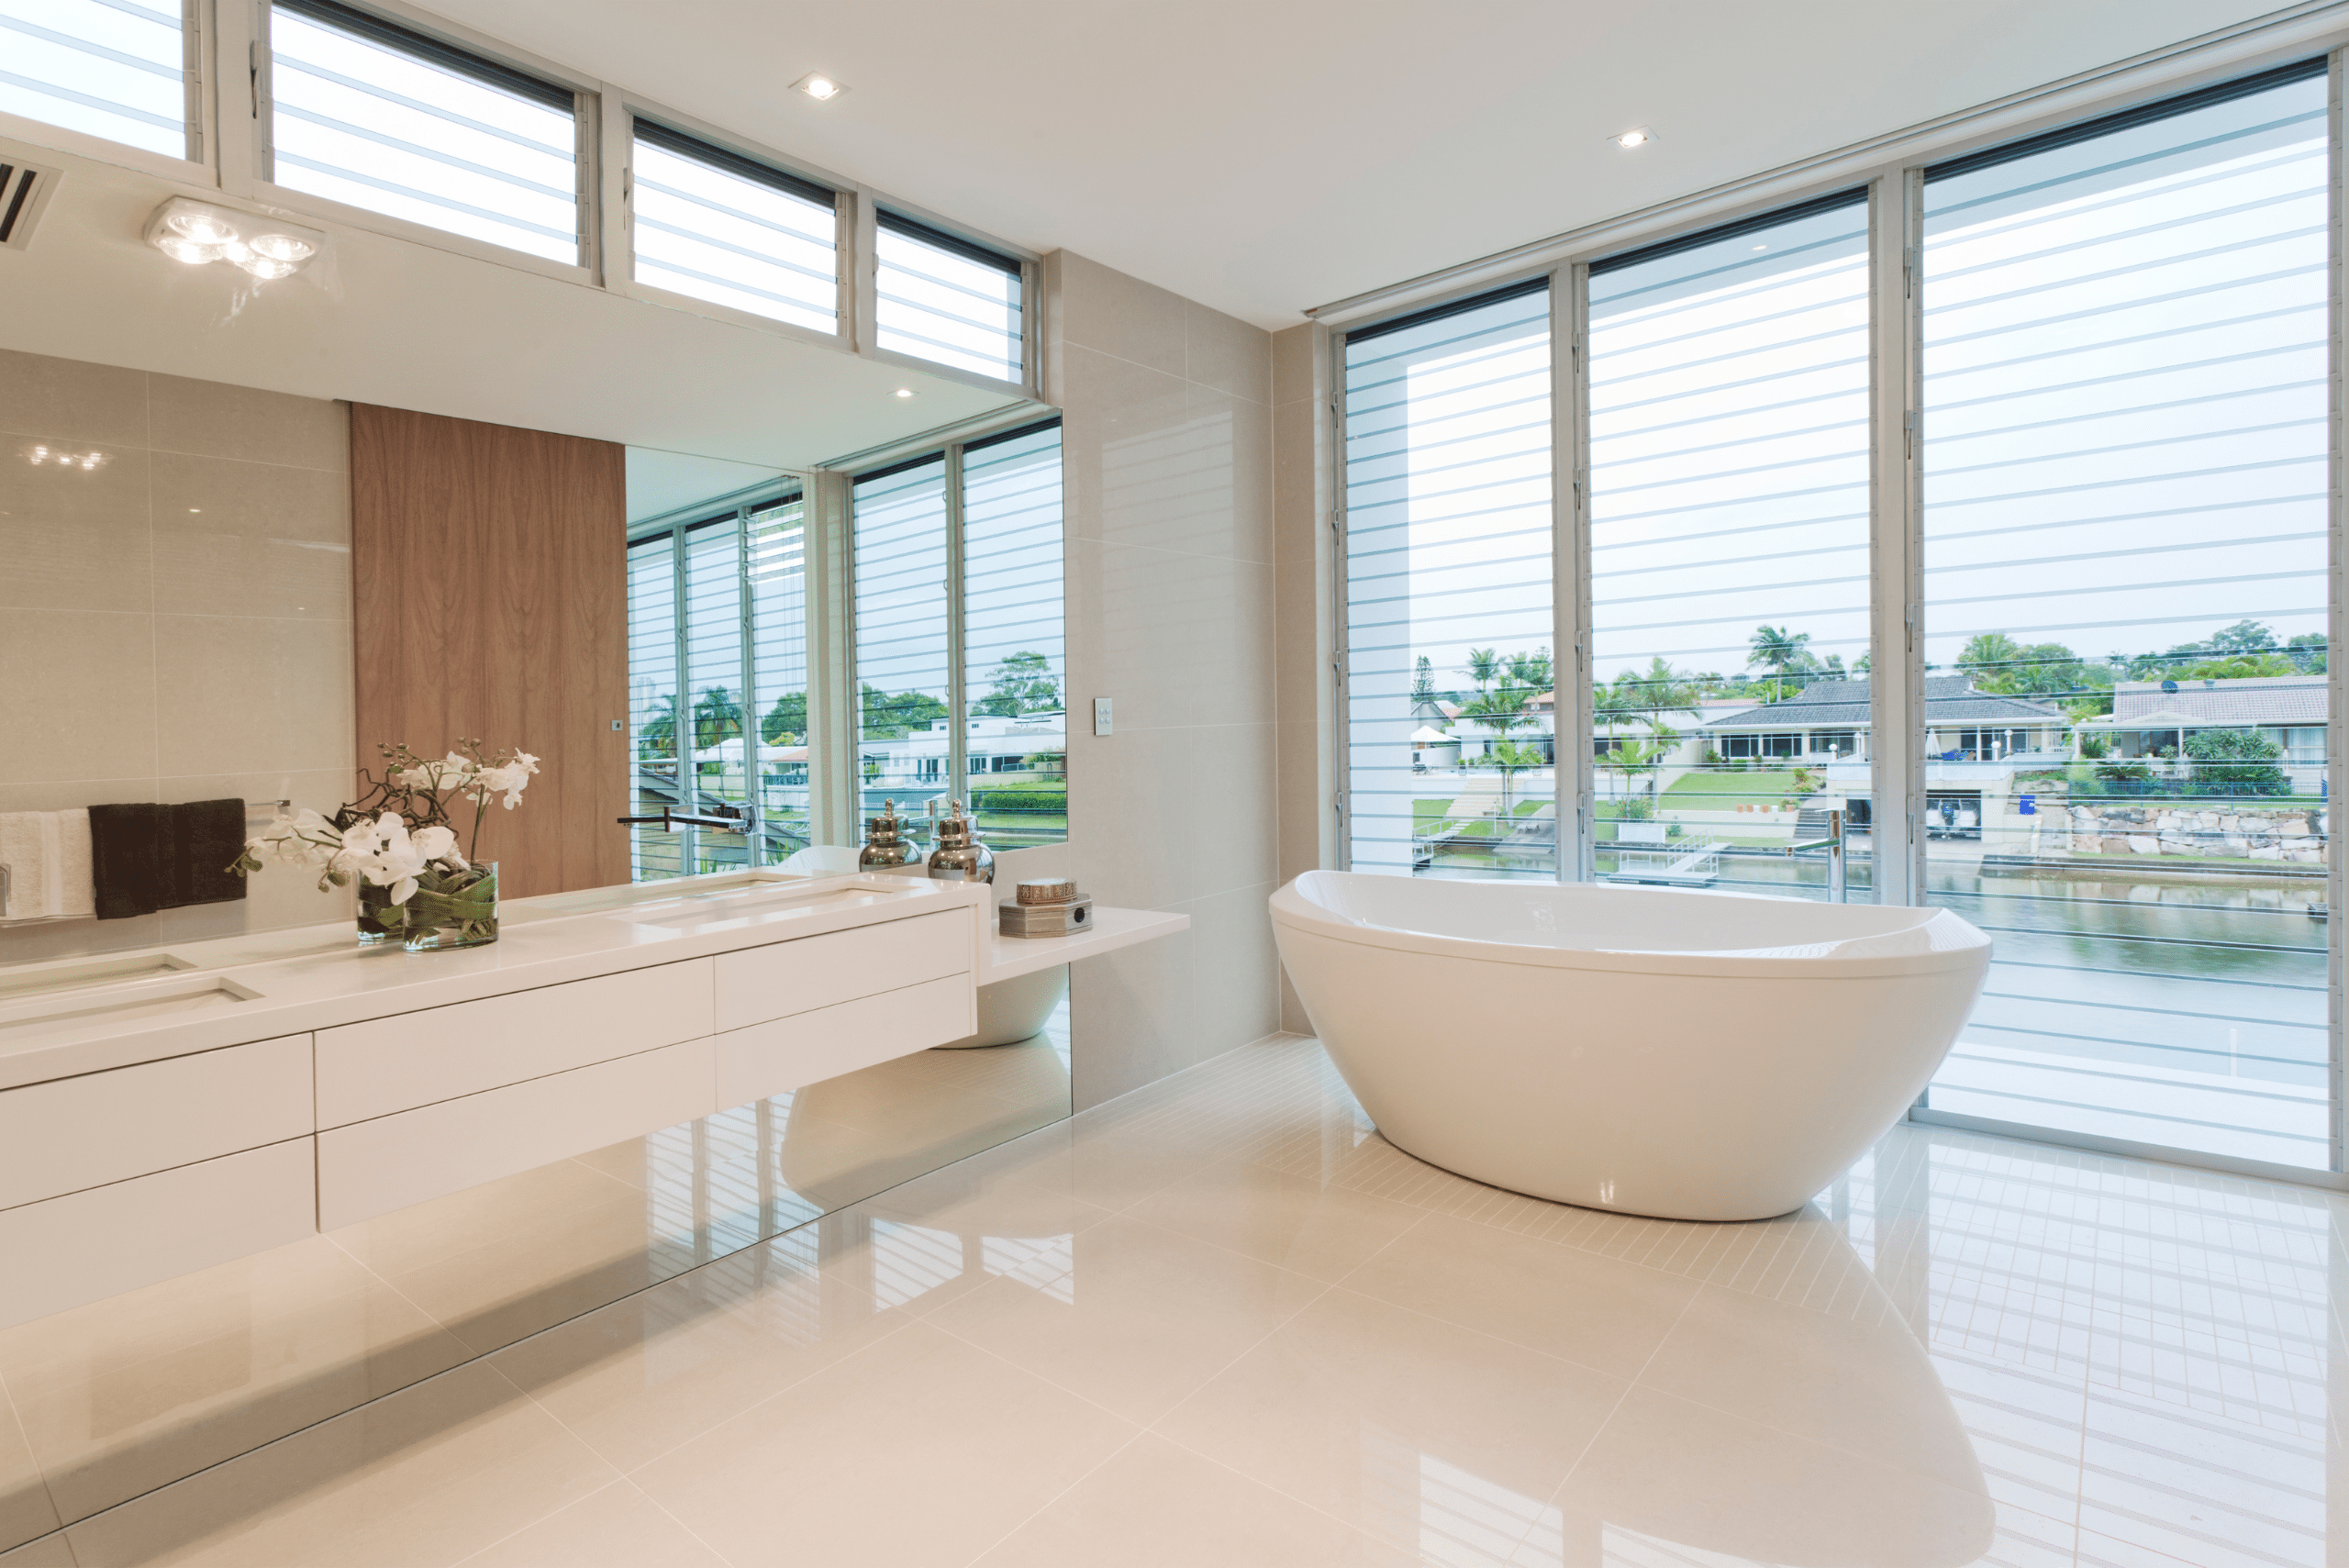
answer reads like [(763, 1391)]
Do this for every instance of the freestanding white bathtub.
[(1686, 1054)]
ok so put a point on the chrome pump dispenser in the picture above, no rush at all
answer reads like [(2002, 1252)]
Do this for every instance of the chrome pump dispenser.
[(885, 845), (959, 857)]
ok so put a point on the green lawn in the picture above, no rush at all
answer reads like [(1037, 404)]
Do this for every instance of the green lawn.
[(1757, 784)]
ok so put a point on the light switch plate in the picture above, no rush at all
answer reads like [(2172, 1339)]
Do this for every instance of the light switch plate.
[(1100, 715)]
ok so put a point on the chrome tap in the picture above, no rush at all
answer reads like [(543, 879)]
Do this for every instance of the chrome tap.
[(1833, 845), (729, 819), (959, 857)]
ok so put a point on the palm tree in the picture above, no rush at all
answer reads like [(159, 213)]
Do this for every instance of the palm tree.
[(1780, 651), (1483, 666)]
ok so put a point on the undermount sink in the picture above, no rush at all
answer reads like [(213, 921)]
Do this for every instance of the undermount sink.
[(25, 1021), (628, 896), (47, 978), (705, 910)]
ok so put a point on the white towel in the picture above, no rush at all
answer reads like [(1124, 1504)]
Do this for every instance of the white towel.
[(77, 892), (48, 857), (29, 848)]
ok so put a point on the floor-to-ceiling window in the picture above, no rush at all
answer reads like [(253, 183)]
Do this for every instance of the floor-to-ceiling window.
[(717, 677), (1450, 693), (1729, 548), (2102, 352), (962, 665), (903, 672), (1015, 655), (2124, 455)]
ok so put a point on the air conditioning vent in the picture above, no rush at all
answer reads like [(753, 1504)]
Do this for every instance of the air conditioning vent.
[(25, 190)]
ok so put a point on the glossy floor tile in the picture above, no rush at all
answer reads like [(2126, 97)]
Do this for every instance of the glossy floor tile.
[(1221, 1321)]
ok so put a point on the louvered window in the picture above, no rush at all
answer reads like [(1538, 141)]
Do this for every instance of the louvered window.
[(118, 68), (2125, 408), (903, 671), (719, 226), (1729, 545), (718, 674), (1015, 660), (946, 300), (1449, 738), (378, 116)]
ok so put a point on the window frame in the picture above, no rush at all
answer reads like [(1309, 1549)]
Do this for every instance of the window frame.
[(957, 762), (623, 112), (587, 97), (1894, 183), (199, 54), (738, 507)]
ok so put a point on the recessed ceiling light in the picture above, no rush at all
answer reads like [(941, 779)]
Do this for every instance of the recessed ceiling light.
[(819, 86), (1637, 136), (905, 392)]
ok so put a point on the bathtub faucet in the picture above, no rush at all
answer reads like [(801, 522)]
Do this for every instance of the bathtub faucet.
[(1833, 845)]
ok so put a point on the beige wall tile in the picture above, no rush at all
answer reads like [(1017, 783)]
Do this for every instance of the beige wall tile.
[(1229, 355), (80, 698), (1130, 1019), (250, 539), (251, 692), (1127, 461), (1237, 434), (1177, 638), (44, 396), (1234, 969), (1189, 815), (70, 537), (210, 418), (1112, 312), (1295, 351)]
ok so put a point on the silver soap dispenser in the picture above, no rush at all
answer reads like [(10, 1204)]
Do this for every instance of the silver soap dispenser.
[(885, 845), (959, 857)]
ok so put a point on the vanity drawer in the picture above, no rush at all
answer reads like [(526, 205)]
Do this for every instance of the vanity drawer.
[(376, 1166), (72, 1133), (89, 1245), (417, 1059), (807, 1048), (775, 981)]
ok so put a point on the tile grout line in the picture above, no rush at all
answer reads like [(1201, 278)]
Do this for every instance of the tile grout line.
[(41, 1471), (619, 1477), (1045, 1507)]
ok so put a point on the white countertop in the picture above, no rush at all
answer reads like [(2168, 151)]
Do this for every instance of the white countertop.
[(245, 988), (1002, 957), (176, 998)]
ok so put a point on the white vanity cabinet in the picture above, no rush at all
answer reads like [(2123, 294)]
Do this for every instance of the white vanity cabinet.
[(423, 1104), (117, 1179), (142, 1136)]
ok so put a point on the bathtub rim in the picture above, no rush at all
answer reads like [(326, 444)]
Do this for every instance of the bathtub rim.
[(1294, 910)]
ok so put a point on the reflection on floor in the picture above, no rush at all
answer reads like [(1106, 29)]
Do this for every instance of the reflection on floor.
[(1221, 1321), (116, 1398)]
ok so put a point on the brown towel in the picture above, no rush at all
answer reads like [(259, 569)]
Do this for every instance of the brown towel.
[(201, 839), (124, 842)]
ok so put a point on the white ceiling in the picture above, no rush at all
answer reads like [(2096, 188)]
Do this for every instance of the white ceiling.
[(661, 482), (1265, 156)]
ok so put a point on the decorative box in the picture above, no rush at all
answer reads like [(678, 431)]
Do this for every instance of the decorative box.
[(1062, 919)]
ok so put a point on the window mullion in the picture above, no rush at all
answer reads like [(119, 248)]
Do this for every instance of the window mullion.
[(958, 767)]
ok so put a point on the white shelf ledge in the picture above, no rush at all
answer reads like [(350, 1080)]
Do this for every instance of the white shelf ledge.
[(1006, 957)]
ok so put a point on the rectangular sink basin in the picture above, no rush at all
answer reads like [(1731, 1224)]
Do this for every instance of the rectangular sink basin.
[(711, 910), (27, 1021), (34, 981)]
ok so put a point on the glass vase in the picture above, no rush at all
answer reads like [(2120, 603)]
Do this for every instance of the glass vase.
[(380, 919), (452, 909)]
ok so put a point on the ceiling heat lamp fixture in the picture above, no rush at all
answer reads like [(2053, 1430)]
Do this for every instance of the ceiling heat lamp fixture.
[(197, 232)]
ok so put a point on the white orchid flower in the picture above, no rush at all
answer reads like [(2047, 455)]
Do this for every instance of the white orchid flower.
[(438, 844)]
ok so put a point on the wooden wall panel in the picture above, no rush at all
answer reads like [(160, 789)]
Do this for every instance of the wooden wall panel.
[(490, 576)]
